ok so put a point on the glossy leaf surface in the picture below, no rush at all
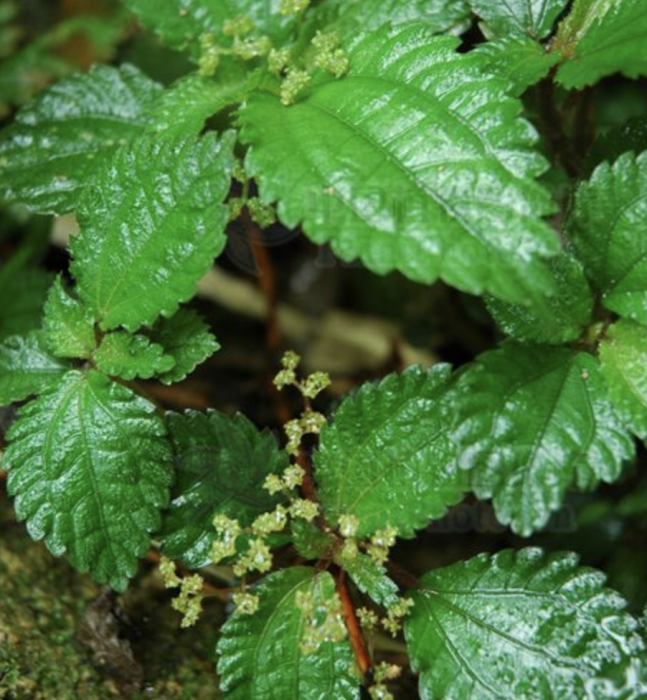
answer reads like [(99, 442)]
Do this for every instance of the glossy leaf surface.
[(260, 654), (518, 18), (221, 464), (68, 325), (521, 61), (623, 356), (530, 422), (27, 367), (129, 356), (371, 579), (187, 339), (349, 17), (607, 226), (523, 625), (71, 130), (602, 37), (563, 318), (151, 227), (387, 456), (89, 468), (416, 161), (183, 109)]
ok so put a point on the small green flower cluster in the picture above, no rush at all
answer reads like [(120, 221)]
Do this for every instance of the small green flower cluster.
[(189, 600), (309, 422), (243, 46), (383, 673)]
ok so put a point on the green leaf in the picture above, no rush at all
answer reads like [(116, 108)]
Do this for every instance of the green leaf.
[(623, 358), (187, 339), (565, 315), (601, 37), (523, 625), (151, 227), (183, 109), (62, 139), (530, 421), (349, 17), (68, 325), (27, 367), (521, 61), (90, 469), (128, 356), (442, 186), (371, 579), (221, 463), (181, 23), (387, 456), (260, 654), (519, 18), (606, 225), (23, 290)]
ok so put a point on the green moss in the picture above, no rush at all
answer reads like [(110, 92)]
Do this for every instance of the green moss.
[(59, 638)]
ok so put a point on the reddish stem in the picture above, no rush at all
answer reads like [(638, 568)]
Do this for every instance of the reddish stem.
[(355, 635)]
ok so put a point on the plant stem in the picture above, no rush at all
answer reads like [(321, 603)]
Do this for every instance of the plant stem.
[(355, 635)]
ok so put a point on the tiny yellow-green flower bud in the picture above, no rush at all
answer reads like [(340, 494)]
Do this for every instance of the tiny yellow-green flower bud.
[(278, 60), (246, 603), (293, 83), (302, 508)]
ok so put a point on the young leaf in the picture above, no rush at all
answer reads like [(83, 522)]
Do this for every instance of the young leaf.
[(622, 358), (371, 579), (523, 625), (519, 18), (59, 141), (521, 61), (27, 367), (565, 315), (68, 325), (529, 422), (349, 17), (261, 656), (183, 109), (442, 186), (182, 23), (601, 37), (90, 469), (606, 225), (187, 339), (387, 457), (128, 356), (221, 464), (151, 227)]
